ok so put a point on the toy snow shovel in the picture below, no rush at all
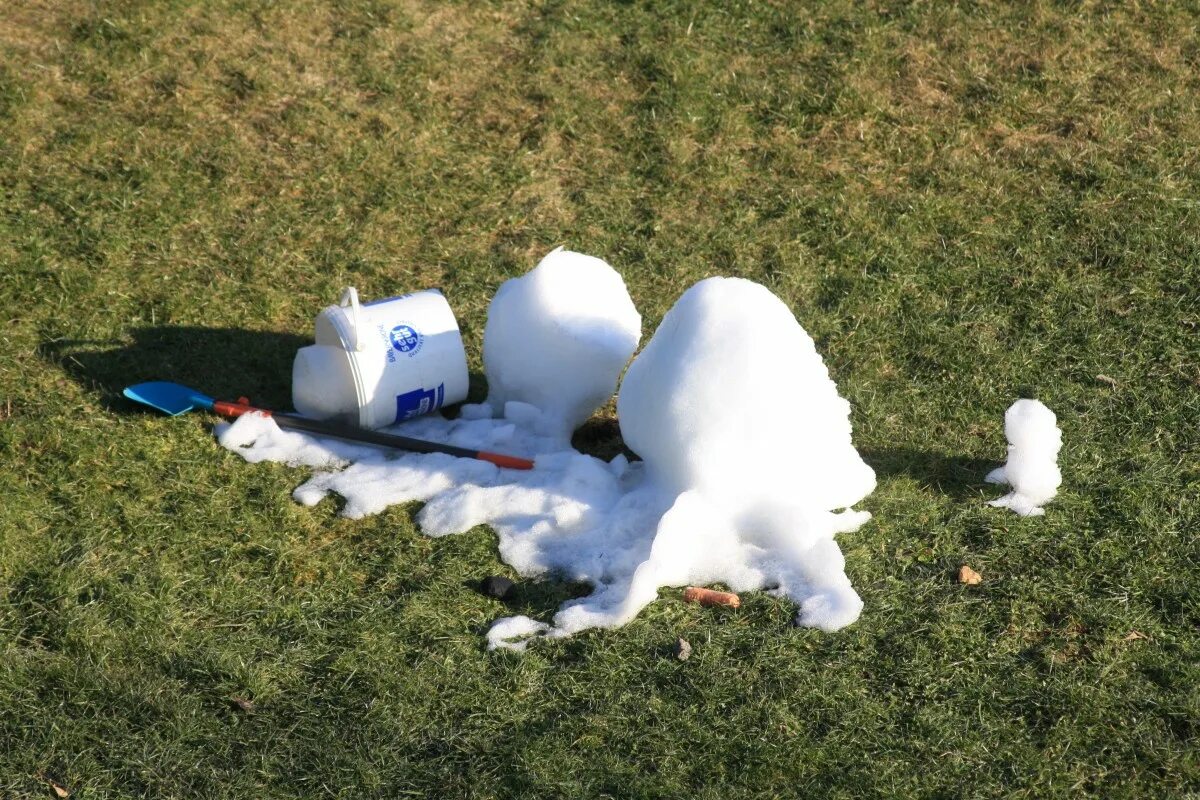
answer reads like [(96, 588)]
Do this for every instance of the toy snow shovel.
[(176, 399)]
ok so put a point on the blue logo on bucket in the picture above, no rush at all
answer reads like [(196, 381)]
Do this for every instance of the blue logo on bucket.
[(406, 339), (419, 401)]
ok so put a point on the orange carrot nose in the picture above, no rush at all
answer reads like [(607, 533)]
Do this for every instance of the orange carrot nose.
[(711, 597)]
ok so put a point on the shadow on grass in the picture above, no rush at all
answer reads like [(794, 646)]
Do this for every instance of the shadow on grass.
[(600, 436), (957, 476), (223, 362), (539, 598)]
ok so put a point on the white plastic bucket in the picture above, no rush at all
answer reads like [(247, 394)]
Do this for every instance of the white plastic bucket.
[(375, 364)]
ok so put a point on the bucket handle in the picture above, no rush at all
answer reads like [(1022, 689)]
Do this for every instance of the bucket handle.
[(350, 297)]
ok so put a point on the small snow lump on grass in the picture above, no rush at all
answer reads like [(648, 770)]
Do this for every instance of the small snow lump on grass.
[(1034, 440)]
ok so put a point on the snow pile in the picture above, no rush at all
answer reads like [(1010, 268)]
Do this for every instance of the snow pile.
[(737, 419), (558, 337), (1034, 440), (748, 459)]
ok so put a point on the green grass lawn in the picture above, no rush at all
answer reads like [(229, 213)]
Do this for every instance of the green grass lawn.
[(963, 204)]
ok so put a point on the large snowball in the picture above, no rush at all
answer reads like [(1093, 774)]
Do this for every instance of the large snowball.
[(730, 397), (736, 416), (558, 337)]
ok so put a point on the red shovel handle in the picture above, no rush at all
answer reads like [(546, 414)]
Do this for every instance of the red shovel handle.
[(242, 406), (501, 460)]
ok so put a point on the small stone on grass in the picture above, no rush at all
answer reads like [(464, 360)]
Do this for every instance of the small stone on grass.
[(243, 703), (968, 576), (59, 790), (682, 650)]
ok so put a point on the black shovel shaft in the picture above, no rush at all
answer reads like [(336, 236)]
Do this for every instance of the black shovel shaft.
[(340, 431)]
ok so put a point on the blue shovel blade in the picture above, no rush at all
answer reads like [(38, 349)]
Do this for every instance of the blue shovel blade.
[(170, 398)]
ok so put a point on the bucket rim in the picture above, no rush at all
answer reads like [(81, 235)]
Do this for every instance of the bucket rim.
[(338, 318)]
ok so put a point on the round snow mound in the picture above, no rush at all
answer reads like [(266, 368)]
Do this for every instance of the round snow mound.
[(558, 337), (730, 397)]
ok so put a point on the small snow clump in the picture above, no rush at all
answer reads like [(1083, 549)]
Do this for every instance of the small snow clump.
[(1034, 440)]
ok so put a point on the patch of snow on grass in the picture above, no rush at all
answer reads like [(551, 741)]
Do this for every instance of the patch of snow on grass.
[(748, 475)]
